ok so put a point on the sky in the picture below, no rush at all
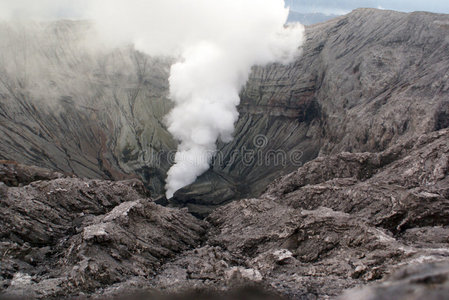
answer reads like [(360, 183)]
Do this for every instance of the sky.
[(344, 6)]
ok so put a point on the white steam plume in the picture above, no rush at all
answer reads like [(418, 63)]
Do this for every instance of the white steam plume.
[(217, 41)]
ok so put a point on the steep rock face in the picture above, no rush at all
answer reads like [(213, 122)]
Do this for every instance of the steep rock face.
[(363, 82), (71, 104)]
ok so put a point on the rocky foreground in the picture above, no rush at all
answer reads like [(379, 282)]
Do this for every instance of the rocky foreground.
[(338, 222)]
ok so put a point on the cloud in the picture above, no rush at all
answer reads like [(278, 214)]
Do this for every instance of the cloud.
[(42, 9)]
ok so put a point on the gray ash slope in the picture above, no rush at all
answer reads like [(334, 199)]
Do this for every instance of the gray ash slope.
[(363, 82)]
